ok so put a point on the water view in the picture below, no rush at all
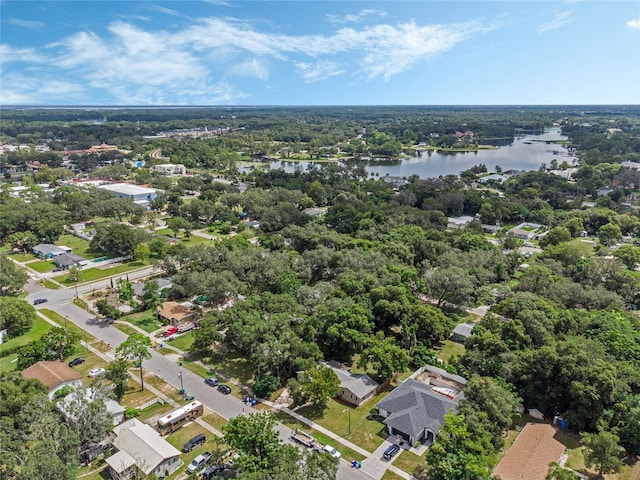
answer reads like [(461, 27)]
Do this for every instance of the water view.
[(527, 152)]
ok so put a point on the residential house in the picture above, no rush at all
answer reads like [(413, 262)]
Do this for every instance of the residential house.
[(141, 448), (531, 453), (163, 283), (48, 250), (69, 260), (525, 231), (416, 408), (462, 331), (54, 374), (355, 389), (494, 177), (113, 408), (175, 313), (459, 222)]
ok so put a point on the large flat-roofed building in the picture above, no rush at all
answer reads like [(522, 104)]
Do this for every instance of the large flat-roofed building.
[(170, 169), (136, 193)]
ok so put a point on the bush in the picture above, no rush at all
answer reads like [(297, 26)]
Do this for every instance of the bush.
[(265, 386), (131, 412)]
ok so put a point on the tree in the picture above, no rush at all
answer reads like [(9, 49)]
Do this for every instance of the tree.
[(135, 349), (142, 253), (629, 255), (384, 356), (115, 239), (175, 224), (87, 417), (603, 452), (22, 240), (16, 316), (558, 473), (265, 386), (320, 384), (609, 234), (255, 439), (118, 372), (150, 295), (125, 290), (12, 279), (451, 285)]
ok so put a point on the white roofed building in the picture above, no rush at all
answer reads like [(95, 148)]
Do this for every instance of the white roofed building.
[(136, 193), (170, 169), (140, 447)]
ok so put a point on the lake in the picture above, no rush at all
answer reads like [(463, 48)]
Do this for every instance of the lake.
[(527, 152)]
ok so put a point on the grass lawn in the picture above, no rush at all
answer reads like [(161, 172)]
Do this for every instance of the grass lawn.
[(183, 342), (389, 475), (79, 246), (410, 462), (449, 349), (23, 257), (194, 240), (38, 329), (43, 266), (145, 320), (124, 328), (8, 363), (155, 410), (215, 420), (181, 436), (49, 284), (92, 274), (292, 423), (232, 363), (366, 433)]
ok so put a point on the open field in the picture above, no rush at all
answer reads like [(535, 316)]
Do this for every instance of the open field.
[(38, 329)]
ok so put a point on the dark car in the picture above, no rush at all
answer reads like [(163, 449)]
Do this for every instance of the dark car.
[(224, 389), (211, 472), (212, 381), (76, 361), (39, 301), (391, 451), (194, 442)]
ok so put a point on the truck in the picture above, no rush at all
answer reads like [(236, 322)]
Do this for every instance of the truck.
[(303, 438)]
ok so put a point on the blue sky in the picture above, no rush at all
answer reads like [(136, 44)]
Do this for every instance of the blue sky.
[(344, 52)]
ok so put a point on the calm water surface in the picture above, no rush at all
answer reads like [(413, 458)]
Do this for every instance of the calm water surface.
[(525, 153)]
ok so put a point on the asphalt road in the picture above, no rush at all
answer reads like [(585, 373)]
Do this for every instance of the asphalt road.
[(227, 406)]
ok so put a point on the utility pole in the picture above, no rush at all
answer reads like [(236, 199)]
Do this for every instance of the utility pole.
[(181, 385), (348, 410)]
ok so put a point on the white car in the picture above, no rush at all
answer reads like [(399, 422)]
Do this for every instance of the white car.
[(332, 451), (96, 372)]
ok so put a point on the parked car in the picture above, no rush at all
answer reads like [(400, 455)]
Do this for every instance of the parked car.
[(96, 372), (212, 381), (199, 462), (391, 451), (76, 361), (211, 472), (57, 269), (194, 442), (170, 331), (224, 389), (39, 301), (331, 451)]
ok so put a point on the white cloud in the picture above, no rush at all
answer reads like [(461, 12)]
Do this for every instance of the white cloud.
[(31, 24), (165, 10), (9, 54), (357, 17), (314, 72), (39, 89), (251, 68), (634, 23), (559, 20), (135, 65)]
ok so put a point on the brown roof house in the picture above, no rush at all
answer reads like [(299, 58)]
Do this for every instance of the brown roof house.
[(55, 375), (175, 313), (530, 455)]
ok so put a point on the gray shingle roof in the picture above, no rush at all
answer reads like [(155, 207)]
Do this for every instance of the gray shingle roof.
[(464, 329), (413, 406), (358, 384)]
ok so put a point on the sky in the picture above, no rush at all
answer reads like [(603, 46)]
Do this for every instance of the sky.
[(347, 52)]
